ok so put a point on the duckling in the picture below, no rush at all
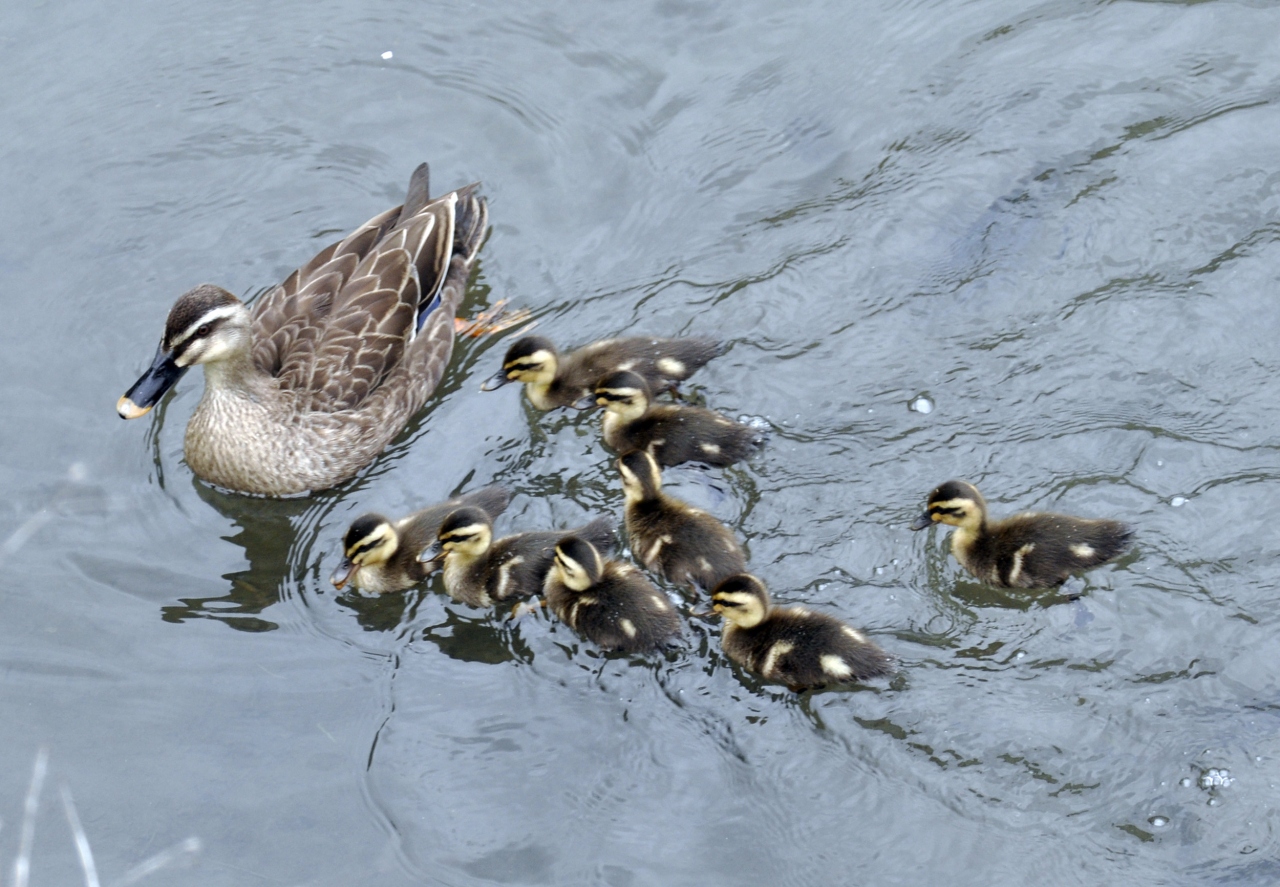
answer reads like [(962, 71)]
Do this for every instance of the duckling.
[(480, 572), (380, 556), (557, 380), (792, 645), (608, 601), (672, 433), (683, 544), (1028, 550)]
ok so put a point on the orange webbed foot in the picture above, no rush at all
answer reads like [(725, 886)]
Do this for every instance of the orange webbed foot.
[(494, 320)]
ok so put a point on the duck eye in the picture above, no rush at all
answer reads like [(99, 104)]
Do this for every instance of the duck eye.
[(202, 330)]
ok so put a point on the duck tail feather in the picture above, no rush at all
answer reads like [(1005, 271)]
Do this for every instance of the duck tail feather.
[(419, 193)]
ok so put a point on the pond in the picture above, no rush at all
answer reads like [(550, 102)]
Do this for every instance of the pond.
[(1030, 244)]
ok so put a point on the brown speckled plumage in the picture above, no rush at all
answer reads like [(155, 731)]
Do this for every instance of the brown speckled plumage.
[(334, 366)]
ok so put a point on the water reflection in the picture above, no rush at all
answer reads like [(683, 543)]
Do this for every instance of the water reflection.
[(267, 532), (491, 636)]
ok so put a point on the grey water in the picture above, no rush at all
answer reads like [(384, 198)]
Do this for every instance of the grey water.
[(1030, 243)]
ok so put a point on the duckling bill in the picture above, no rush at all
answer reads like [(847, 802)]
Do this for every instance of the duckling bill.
[(380, 555), (1028, 550), (553, 380), (792, 645)]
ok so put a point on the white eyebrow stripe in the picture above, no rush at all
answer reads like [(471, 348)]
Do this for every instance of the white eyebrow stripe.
[(207, 317)]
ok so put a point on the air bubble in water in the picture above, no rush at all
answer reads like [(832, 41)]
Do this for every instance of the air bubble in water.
[(1159, 821), (1216, 778), (1178, 501), (921, 404)]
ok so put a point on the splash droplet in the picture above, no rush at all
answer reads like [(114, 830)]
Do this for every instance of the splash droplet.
[(388, 54), (1178, 501)]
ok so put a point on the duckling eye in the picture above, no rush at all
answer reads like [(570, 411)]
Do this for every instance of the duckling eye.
[(202, 330)]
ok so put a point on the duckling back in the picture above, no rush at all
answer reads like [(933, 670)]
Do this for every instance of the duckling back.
[(658, 361), (683, 544), (677, 434), (805, 650), (1040, 550)]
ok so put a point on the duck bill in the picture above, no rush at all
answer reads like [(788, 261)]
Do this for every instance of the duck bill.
[(343, 573), (586, 403), (922, 521), (147, 391), (496, 381)]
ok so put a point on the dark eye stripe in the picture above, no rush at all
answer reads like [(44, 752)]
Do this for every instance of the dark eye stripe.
[(953, 512), (208, 323)]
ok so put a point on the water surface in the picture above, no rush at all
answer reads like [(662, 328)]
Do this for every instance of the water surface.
[(1057, 221)]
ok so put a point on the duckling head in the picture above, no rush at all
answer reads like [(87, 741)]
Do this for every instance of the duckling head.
[(530, 359), (577, 563), (624, 393), (371, 540), (956, 502), (641, 476), (741, 599), (206, 325), (466, 533)]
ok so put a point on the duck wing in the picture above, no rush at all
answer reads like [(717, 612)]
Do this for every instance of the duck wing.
[(292, 311), (414, 378), (375, 315)]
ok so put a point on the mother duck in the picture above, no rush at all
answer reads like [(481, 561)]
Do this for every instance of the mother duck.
[(307, 385)]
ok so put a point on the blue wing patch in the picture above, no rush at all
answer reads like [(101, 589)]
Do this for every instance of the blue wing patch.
[(424, 313)]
